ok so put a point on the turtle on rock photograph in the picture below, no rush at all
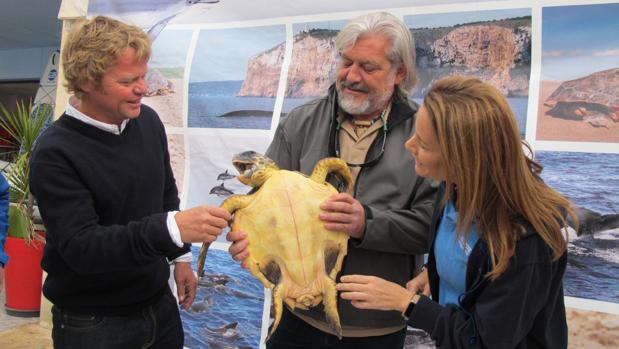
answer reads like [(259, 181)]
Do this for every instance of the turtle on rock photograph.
[(579, 84)]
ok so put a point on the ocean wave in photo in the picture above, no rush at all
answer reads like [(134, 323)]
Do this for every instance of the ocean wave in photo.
[(227, 311)]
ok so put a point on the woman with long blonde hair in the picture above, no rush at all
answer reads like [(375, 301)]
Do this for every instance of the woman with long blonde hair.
[(498, 255)]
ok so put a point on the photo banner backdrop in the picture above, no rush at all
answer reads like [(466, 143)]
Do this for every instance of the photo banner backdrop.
[(224, 73)]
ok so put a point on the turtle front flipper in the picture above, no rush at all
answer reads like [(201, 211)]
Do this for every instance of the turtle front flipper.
[(329, 300), (202, 258), (231, 204), (332, 165)]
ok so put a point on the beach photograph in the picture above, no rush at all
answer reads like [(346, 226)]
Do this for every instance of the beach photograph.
[(166, 68), (493, 45), (176, 148), (235, 77), (579, 80)]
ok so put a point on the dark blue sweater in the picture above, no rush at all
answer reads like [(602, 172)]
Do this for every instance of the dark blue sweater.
[(103, 199)]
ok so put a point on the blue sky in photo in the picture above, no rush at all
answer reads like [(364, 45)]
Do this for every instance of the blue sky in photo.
[(222, 54), (333, 25), (436, 20), (170, 49), (579, 40)]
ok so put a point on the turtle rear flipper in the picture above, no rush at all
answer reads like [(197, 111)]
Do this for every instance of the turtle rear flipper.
[(329, 300), (279, 293), (336, 166)]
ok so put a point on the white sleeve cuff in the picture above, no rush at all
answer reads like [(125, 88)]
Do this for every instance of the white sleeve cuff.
[(187, 257), (175, 233)]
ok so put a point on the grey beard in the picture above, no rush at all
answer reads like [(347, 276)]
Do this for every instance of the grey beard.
[(368, 106)]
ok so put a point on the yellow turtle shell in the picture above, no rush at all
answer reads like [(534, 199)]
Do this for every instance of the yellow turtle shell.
[(290, 250)]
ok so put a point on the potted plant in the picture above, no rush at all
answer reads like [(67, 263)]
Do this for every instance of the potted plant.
[(25, 238)]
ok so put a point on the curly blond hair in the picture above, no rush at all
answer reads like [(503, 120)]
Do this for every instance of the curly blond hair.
[(95, 45)]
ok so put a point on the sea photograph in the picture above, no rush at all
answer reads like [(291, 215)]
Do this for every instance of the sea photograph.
[(235, 76), (166, 68), (591, 182), (494, 46), (579, 91), (227, 310)]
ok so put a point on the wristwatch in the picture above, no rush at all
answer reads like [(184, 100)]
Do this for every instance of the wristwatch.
[(411, 305)]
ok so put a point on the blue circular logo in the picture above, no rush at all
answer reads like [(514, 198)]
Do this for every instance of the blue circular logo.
[(52, 75)]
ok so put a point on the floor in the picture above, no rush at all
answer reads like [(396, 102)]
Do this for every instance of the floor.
[(22, 333)]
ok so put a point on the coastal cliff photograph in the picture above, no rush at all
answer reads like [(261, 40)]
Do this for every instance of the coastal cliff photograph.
[(313, 65), (579, 92), (494, 46), (224, 88)]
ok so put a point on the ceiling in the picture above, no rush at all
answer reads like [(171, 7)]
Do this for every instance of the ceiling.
[(34, 23), (29, 24)]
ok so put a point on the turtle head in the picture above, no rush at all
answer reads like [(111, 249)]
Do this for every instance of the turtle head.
[(254, 168)]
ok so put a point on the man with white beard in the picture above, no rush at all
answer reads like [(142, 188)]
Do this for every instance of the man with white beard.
[(365, 120)]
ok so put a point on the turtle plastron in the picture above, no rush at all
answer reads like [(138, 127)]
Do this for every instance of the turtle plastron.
[(290, 250)]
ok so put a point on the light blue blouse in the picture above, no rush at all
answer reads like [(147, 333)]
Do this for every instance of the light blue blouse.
[(451, 256)]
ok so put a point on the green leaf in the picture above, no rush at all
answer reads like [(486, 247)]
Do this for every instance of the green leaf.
[(19, 224)]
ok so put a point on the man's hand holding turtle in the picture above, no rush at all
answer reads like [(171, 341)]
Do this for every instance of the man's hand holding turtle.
[(342, 212), (202, 223)]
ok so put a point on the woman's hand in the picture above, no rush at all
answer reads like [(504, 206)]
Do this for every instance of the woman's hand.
[(371, 292), (420, 283)]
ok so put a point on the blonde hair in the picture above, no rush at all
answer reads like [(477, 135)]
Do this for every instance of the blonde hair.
[(95, 45), (402, 51), (497, 186)]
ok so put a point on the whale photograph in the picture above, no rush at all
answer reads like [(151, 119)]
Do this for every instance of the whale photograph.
[(235, 76), (591, 182)]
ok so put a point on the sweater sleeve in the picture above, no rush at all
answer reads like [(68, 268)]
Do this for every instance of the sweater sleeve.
[(69, 213), (171, 201), (501, 316)]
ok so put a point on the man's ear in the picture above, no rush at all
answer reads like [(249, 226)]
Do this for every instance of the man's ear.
[(400, 74), (87, 87)]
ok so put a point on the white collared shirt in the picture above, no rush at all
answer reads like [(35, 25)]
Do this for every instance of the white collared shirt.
[(175, 233)]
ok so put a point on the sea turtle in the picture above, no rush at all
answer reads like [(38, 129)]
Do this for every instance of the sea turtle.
[(593, 99), (290, 250)]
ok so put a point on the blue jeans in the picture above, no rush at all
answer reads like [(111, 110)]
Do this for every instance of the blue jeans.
[(155, 326), (294, 333)]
